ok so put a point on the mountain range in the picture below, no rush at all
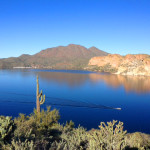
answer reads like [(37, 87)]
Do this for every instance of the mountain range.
[(61, 57)]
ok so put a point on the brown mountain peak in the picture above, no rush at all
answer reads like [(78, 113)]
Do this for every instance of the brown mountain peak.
[(71, 56), (97, 51)]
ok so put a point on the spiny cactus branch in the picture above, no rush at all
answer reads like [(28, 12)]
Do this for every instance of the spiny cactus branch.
[(42, 100), (39, 96)]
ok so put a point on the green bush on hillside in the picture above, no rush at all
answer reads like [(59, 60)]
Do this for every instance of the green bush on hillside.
[(110, 136), (6, 128), (41, 131)]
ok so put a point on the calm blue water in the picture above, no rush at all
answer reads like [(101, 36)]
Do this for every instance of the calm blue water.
[(79, 88)]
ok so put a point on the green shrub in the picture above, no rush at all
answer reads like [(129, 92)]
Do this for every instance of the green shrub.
[(138, 140), (6, 128), (41, 131), (75, 139), (24, 128), (45, 119), (109, 137), (19, 145), (37, 127)]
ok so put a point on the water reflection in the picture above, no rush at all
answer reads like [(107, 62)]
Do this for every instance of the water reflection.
[(138, 84), (74, 88), (71, 79)]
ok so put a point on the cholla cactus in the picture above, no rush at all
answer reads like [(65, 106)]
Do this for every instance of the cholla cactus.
[(38, 96), (19, 145), (75, 139), (111, 136), (114, 134), (6, 127)]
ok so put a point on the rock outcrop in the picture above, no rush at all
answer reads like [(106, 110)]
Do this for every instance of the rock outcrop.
[(124, 65)]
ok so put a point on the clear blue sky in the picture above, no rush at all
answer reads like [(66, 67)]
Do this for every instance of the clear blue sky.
[(115, 26)]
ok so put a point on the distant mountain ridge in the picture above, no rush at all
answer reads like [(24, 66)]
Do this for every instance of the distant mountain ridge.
[(62, 57)]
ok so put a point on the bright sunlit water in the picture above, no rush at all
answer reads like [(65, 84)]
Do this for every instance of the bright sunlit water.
[(79, 88)]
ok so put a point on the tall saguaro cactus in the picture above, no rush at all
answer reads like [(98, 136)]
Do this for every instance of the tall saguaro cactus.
[(40, 98)]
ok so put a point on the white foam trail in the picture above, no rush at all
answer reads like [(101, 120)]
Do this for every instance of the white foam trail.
[(118, 108)]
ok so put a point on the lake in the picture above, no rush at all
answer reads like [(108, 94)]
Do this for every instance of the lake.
[(86, 98)]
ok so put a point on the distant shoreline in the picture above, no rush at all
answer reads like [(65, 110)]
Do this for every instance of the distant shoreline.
[(77, 69)]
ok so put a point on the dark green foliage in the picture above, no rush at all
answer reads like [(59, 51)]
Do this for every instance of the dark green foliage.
[(45, 119), (110, 136), (70, 124), (37, 127), (6, 128), (41, 131), (138, 140), (106, 68), (74, 139), (36, 122), (19, 145)]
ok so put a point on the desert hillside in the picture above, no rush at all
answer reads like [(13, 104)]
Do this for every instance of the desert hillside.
[(62, 57)]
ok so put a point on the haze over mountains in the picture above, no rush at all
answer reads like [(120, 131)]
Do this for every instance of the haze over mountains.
[(62, 57)]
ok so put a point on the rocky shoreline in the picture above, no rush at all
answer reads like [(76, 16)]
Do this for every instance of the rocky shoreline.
[(135, 65)]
